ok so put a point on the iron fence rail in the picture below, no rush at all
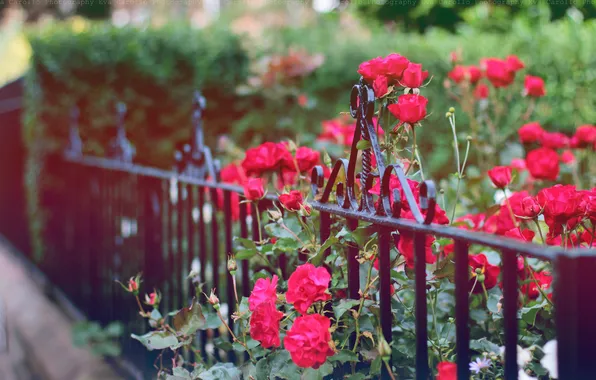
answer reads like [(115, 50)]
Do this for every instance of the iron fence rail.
[(115, 216)]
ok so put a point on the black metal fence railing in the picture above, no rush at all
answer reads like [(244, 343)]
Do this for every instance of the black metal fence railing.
[(115, 217)]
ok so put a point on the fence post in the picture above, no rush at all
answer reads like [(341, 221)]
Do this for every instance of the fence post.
[(575, 315)]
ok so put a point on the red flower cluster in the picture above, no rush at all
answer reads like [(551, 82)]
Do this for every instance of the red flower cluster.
[(308, 284), (341, 130), (501, 72), (293, 201), (446, 371), (461, 73), (534, 86), (308, 340), (392, 70)]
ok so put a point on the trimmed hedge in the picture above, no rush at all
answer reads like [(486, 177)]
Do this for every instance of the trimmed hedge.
[(154, 71)]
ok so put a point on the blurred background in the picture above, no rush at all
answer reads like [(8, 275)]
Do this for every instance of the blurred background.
[(269, 69)]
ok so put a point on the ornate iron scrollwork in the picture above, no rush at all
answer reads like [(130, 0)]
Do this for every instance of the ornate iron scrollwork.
[(362, 108), (121, 148), (196, 159), (74, 147)]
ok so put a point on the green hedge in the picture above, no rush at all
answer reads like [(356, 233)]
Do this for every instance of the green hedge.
[(154, 71)]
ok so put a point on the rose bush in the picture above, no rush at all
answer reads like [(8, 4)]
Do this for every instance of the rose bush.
[(302, 325)]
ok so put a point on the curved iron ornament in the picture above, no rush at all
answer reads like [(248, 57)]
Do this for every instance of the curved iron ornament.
[(362, 108), (196, 159)]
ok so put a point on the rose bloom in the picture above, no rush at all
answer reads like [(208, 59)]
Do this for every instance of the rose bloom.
[(500, 176), (380, 86), (554, 140), (561, 205), (567, 157), (394, 66), (264, 324), (524, 235), (292, 201), (253, 189), (306, 158), (489, 271), (543, 163), (413, 76), (531, 132), (371, 69), (498, 72), (265, 290), (446, 371), (406, 248), (529, 207), (232, 174), (308, 284), (265, 157), (409, 108), (481, 91), (518, 164), (514, 63), (585, 135), (469, 73), (308, 341), (544, 278), (534, 86), (336, 132)]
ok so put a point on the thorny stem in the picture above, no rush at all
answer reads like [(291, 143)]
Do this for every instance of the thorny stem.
[(369, 282), (235, 290), (389, 370), (222, 319), (539, 230), (529, 269), (142, 311), (258, 221)]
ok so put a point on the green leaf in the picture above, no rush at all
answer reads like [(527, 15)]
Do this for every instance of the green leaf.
[(344, 356), (238, 347), (189, 319), (179, 373), (357, 376), (375, 366), (114, 329), (528, 314), (157, 340), (492, 303), (483, 345), (287, 244), (245, 254), (446, 268), (246, 243), (363, 144), (154, 318), (343, 306), (221, 371), (318, 374)]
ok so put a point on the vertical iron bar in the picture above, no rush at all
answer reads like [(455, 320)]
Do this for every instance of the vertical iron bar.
[(510, 313), (95, 238), (202, 258), (244, 235), (422, 369), (385, 282), (171, 258), (325, 230), (191, 248), (180, 220), (215, 239), (462, 328), (353, 265), (229, 250)]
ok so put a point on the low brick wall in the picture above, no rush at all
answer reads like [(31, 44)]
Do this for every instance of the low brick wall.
[(36, 334)]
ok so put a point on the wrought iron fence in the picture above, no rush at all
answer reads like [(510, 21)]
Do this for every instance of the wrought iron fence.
[(113, 217)]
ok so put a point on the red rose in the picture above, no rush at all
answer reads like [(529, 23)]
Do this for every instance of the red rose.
[(371, 69), (307, 285), (336, 132), (232, 174), (457, 74), (264, 324), (529, 208), (585, 135), (413, 76), (292, 201), (530, 132), (394, 66), (446, 371), (253, 189), (409, 108), (500, 176), (525, 235), (265, 290), (498, 72), (543, 163), (514, 63), (380, 86), (406, 248), (267, 156), (481, 91), (554, 140), (482, 272), (567, 157), (308, 341), (469, 73), (534, 86), (544, 280), (307, 159), (518, 164), (470, 221), (560, 204)]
